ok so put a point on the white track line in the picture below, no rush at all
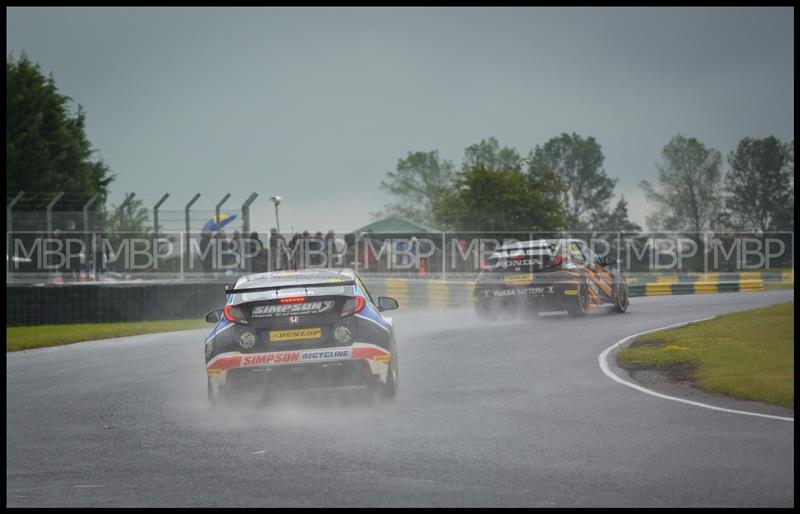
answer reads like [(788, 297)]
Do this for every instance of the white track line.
[(603, 360)]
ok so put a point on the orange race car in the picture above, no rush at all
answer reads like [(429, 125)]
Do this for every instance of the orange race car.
[(548, 275)]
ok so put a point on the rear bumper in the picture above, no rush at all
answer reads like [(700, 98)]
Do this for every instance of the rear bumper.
[(326, 367), (539, 293)]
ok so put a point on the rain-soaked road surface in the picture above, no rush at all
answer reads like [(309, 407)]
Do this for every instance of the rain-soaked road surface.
[(501, 414)]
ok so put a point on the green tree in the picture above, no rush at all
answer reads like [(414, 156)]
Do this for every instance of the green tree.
[(46, 145), (616, 220), (578, 163), (489, 153), (761, 185), (690, 184), (133, 220), (416, 183), (486, 198)]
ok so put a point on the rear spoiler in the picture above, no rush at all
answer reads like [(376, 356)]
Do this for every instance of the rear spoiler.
[(298, 286)]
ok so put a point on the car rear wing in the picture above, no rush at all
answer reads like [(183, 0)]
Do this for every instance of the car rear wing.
[(337, 283)]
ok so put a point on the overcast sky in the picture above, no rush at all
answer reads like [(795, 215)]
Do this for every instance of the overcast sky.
[(317, 104)]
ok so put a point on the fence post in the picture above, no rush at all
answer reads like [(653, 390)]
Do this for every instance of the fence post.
[(10, 229), (444, 255), (246, 212), (86, 208), (121, 209), (246, 226), (49, 216), (216, 209), (155, 229), (86, 239), (217, 265), (356, 237), (185, 259), (155, 213), (49, 213)]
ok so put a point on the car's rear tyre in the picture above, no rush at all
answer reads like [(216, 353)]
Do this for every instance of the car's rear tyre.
[(383, 391), (580, 307), (389, 389), (212, 396), (621, 300), (484, 311)]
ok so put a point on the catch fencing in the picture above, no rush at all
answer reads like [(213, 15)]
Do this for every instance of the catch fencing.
[(63, 267), (213, 255)]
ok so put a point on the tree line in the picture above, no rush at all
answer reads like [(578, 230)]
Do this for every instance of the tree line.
[(562, 185), (756, 194)]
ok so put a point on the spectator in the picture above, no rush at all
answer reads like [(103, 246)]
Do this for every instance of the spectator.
[(206, 251), (253, 248), (100, 251), (57, 261), (414, 250), (364, 249), (72, 260), (357, 252), (277, 248), (435, 262), (303, 243), (330, 247), (402, 258), (294, 250), (317, 245), (236, 246), (39, 265), (463, 262), (222, 258)]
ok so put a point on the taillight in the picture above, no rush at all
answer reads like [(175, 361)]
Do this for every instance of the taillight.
[(234, 314), (295, 299), (557, 260), (353, 305)]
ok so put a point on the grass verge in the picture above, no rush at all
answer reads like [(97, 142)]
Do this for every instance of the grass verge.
[(26, 338), (747, 355)]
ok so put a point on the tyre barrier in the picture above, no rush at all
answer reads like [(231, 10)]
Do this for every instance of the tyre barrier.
[(439, 293), (422, 292), (665, 288), (783, 277)]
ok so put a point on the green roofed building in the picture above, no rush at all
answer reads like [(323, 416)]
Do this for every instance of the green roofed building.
[(395, 224), (397, 232)]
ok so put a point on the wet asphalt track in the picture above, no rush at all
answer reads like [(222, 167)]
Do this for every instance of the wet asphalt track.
[(511, 414)]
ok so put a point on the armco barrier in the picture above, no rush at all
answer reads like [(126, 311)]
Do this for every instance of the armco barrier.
[(107, 303)]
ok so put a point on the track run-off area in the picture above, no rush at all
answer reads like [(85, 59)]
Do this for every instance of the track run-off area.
[(506, 413)]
